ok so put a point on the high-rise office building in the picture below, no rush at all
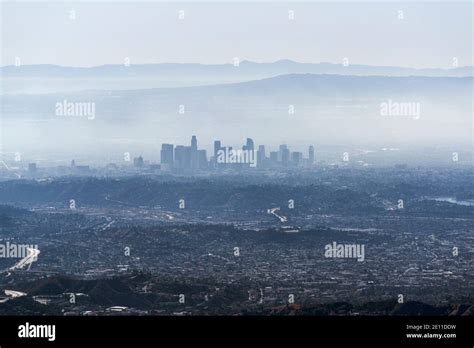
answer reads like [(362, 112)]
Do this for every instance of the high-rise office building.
[(187, 157), (261, 155), (166, 157), (274, 157), (166, 154), (284, 154), (194, 153), (311, 154), (248, 145), (179, 156), (280, 152), (202, 159), (217, 147), (296, 158)]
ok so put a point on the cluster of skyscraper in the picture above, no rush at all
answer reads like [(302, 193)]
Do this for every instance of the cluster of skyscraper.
[(190, 158), (183, 157)]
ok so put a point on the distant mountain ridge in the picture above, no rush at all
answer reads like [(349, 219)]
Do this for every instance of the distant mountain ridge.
[(44, 78), (244, 68)]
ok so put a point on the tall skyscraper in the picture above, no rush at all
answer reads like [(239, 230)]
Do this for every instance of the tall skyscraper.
[(194, 153), (187, 157), (248, 145), (296, 158), (261, 155), (311, 154), (166, 156), (202, 159), (284, 154), (274, 157), (217, 147), (179, 156)]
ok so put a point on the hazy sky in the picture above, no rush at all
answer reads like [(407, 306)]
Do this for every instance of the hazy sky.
[(429, 35)]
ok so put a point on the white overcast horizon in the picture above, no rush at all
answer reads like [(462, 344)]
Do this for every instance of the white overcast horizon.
[(430, 34)]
